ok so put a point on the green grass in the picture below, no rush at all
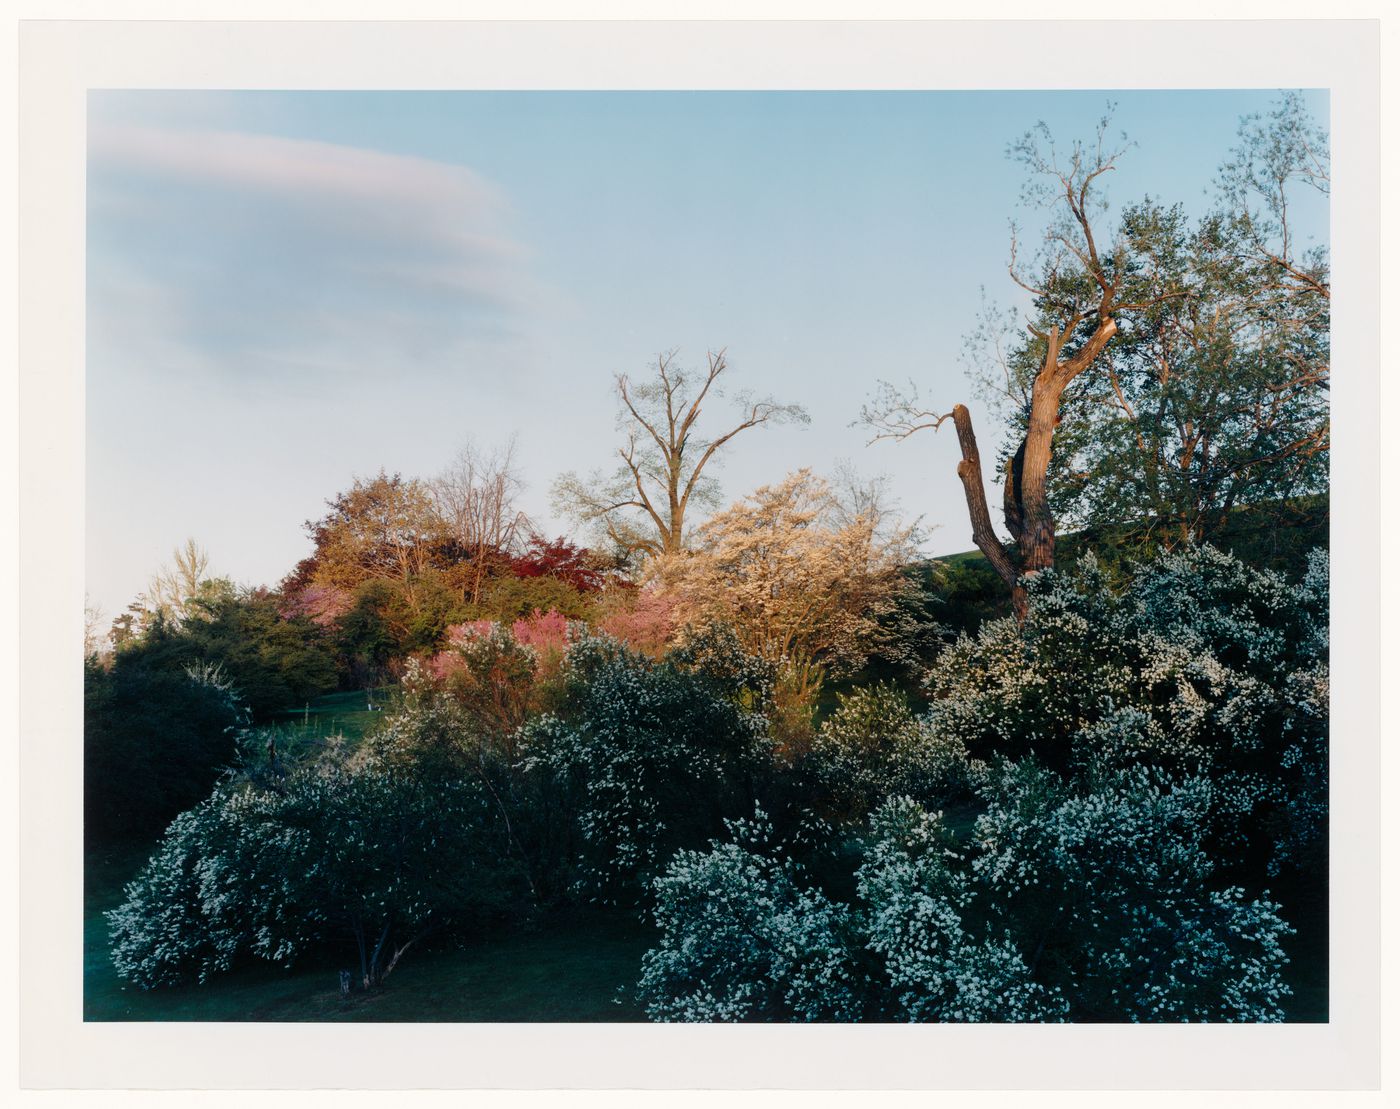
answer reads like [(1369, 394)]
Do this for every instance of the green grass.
[(578, 968), (335, 714)]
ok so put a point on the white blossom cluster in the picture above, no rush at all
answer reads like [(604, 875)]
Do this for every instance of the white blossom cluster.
[(937, 968), (1132, 750), (715, 652), (873, 747), (743, 940), (1108, 884), (1069, 903), (656, 755), (1201, 666)]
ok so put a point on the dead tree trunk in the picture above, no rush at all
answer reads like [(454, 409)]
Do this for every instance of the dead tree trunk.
[(1079, 295), (970, 471), (1036, 541)]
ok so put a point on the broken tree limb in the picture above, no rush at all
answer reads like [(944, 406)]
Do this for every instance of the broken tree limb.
[(970, 471)]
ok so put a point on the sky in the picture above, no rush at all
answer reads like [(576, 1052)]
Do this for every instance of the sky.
[(287, 290)]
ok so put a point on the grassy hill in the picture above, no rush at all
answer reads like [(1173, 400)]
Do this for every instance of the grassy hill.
[(1277, 536)]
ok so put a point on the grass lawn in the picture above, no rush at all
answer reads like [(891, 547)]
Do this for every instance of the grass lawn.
[(343, 714)]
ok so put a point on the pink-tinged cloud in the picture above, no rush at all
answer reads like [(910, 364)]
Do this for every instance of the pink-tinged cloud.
[(260, 253), (320, 170)]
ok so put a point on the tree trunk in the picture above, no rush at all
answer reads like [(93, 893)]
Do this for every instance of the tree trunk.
[(373, 976), (1036, 542), (970, 471), (1025, 503)]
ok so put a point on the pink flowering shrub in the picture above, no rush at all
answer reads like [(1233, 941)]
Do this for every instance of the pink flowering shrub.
[(647, 624), (502, 674), (548, 631), (441, 666), (458, 634)]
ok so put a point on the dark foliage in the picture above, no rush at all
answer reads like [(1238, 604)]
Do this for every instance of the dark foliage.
[(154, 742)]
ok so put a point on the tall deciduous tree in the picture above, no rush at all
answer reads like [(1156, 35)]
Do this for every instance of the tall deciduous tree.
[(1081, 291), (179, 591), (383, 528), (477, 499), (1217, 397), (1211, 402), (643, 506)]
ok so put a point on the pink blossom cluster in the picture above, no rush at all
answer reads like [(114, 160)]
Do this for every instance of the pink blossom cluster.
[(542, 630), (545, 632), (647, 627)]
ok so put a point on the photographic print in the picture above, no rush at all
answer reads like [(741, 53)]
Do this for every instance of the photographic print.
[(708, 556), (600, 568)]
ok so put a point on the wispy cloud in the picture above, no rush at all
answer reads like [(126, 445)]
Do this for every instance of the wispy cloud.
[(257, 254)]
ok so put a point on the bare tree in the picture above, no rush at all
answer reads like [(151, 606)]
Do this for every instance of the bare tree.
[(1078, 296), (175, 583), (476, 498), (856, 497), (92, 621), (181, 589), (642, 506)]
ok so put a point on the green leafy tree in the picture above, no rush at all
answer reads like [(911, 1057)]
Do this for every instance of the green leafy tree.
[(276, 661), (1207, 402), (1180, 371)]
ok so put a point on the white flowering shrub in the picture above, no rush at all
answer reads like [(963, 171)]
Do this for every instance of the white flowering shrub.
[(187, 914), (1106, 889), (1093, 901), (873, 747), (744, 940), (937, 967), (655, 758), (716, 653), (364, 851), (1200, 666)]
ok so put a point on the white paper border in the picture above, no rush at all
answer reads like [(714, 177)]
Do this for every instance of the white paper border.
[(59, 62)]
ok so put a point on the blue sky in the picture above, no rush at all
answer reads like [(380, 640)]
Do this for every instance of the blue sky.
[(286, 290)]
